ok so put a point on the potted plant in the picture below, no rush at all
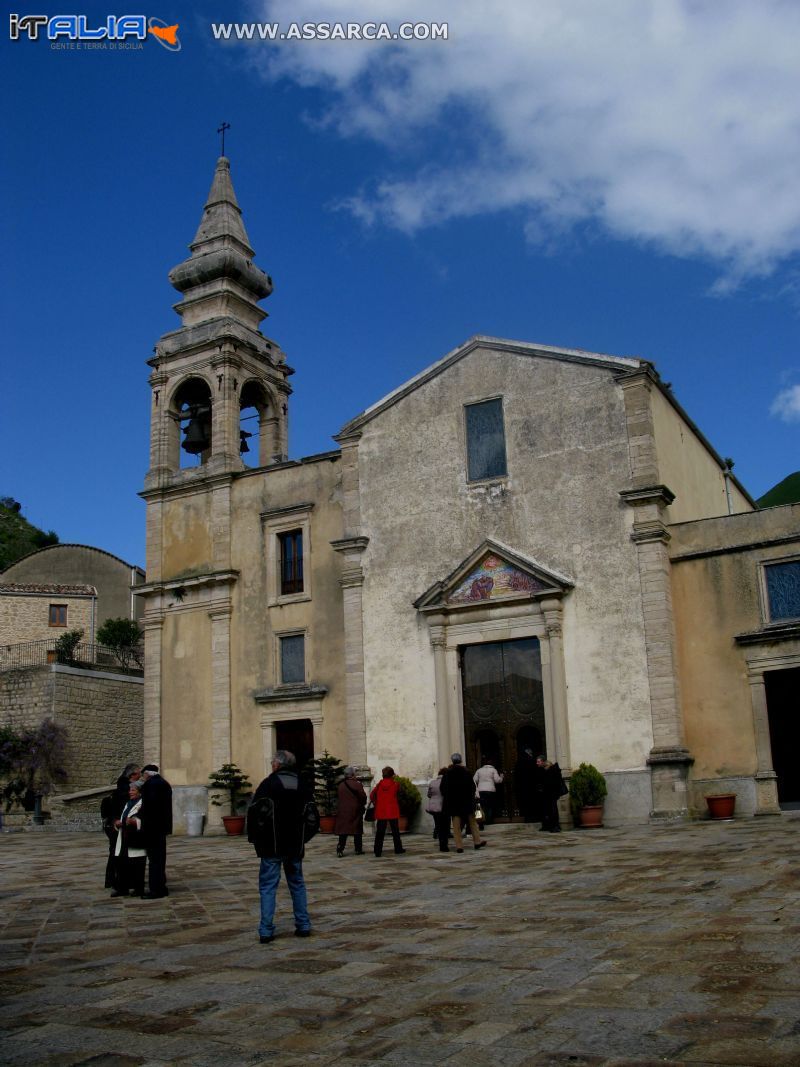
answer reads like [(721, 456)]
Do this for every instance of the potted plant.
[(324, 774), (408, 799), (587, 788), (229, 779), (721, 805)]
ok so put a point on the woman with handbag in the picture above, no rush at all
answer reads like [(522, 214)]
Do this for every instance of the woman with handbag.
[(130, 855), (441, 823), (350, 811), (387, 811)]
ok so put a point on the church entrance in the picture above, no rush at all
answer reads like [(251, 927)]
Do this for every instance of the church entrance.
[(782, 688), (296, 736), (503, 704)]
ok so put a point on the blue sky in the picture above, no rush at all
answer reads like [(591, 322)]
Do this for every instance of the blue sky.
[(619, 177)]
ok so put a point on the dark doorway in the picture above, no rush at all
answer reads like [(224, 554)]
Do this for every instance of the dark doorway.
[(783, 710), (296, 736), (503, 708)]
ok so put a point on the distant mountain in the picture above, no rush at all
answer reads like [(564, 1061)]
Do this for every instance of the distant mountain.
[(785, 492), (18, 537)]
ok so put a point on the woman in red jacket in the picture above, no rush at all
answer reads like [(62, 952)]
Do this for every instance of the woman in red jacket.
[(387, 810)]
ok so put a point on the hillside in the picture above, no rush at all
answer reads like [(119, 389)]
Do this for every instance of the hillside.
[(785, 492), (18, 537)]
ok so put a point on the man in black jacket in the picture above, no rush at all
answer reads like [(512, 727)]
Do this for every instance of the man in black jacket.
[(276, 827), (458, 801), (156, 816)]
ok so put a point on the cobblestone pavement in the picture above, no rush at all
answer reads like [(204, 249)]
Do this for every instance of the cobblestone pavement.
[(673, 945)]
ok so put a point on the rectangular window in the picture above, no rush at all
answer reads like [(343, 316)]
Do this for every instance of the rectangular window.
[(293, 659), (783, 590), (291, 562), (486, 440), (58, 614)]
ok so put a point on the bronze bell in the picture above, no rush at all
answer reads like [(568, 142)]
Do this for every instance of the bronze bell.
[(243, 445), (196, 439)]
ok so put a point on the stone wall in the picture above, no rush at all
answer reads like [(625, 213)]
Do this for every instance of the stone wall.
[(26, 617), (102, 712)]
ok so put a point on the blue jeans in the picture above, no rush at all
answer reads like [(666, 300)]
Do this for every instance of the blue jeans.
[(268, 877)]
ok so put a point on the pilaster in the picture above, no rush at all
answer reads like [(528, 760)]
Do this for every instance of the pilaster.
[(351, 582), (669, 759)]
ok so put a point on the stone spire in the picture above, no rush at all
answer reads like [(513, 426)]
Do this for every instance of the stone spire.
[(219, 279)]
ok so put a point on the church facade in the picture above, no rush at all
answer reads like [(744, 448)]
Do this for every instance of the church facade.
[(509, 551)]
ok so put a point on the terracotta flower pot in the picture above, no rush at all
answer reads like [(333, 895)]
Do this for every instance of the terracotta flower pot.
[(326, 824), (234, 824), (721, 805), (591, 815), (402, 824)]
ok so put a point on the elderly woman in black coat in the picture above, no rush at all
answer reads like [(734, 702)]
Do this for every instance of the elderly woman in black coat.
[(350, 812)]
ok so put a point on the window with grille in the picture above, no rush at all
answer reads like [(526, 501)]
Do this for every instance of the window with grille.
[(293, 659), (291, 562), (783, 590), (486, 440)]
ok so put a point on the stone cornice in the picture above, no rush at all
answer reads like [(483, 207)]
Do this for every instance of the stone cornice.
[(288, 509), (647, 494), (350, 544), (648, 532), (290, 693), (789, 631), (194, 581)]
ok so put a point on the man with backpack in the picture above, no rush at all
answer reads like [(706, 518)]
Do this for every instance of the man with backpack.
[(279, 822)]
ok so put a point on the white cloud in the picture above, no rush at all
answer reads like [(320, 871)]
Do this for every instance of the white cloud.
[(671, 122), (786, 404)]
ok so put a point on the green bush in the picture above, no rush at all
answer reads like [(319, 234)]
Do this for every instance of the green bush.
[(124, 638), (408, 796), (232, 781), (67, 646), (587, 787), (323, 774)]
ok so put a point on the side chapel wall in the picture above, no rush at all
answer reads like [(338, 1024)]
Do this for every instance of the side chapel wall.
[(568, 459)]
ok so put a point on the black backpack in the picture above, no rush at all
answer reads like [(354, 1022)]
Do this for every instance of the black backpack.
[(107, 811), (310, 820)]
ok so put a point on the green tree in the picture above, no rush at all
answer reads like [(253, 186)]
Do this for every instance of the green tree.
[(67, 646), (124, 638)]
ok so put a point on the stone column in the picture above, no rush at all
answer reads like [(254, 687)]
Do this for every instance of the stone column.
[(225, 368), (553, 617), (455, 717), (765, 778), (439, 642), (220, 684), (151, 741), (351, 582)]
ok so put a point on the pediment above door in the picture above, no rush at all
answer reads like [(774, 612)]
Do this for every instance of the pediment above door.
[(493, 574)]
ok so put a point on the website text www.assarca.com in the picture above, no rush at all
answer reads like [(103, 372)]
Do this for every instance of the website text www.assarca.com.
[(329, 31)]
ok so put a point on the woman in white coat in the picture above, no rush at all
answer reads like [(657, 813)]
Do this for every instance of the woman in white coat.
[(129, 853)]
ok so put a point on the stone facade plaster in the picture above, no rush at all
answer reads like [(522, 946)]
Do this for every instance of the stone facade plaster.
[(689, 469), (717, 594), (568, 457)]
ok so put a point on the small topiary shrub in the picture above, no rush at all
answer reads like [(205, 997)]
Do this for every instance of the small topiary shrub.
[(587, 787)]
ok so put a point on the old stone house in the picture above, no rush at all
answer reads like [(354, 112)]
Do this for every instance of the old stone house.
[(523, 546)]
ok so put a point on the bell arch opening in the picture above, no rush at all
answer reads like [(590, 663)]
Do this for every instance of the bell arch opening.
[(191, 442), (257, 425)]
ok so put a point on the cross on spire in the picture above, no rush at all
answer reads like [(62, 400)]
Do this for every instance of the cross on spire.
[(225, 126)]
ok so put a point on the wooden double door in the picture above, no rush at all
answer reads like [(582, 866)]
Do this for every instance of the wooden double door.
[(503, 701)]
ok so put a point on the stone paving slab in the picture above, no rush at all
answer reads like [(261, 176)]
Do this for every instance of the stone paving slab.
[(660, 945)]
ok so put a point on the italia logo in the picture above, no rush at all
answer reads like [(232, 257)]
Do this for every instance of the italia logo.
[(78, 28)]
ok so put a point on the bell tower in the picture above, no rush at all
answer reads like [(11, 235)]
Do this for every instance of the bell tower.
[(218, 362), (216, 366)]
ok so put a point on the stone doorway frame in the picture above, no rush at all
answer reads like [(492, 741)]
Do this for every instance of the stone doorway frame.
[(762, 653), (537, 615)]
